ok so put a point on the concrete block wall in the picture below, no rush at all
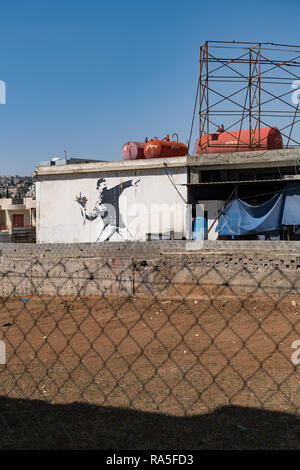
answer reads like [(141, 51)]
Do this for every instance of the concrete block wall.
[(152, 268)]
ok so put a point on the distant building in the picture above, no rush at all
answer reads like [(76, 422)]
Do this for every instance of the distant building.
[(17, 213)]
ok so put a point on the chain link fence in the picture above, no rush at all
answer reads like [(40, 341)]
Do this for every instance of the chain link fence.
[(171, 354)]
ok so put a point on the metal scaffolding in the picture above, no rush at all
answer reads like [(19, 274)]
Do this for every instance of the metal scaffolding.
[(247, 85)]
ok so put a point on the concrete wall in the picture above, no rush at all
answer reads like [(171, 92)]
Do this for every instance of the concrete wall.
[(153, 205), (23, 235), (154, 268)]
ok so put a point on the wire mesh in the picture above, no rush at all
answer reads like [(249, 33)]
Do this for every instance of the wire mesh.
[(167, 354)]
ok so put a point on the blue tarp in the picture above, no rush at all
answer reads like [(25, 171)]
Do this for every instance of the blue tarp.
[(240, 218)]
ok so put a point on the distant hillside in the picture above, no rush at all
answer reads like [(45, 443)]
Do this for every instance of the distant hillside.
[(16, 186)]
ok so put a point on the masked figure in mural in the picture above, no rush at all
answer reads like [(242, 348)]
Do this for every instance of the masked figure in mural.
[(107, 209)]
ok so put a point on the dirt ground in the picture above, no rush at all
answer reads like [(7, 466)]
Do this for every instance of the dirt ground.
[(170, 358)]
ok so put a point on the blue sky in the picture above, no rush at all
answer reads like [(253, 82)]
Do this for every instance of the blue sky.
[(86, 76)]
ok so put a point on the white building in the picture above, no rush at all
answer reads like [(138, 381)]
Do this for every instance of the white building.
[(148, 199), (114, 201)]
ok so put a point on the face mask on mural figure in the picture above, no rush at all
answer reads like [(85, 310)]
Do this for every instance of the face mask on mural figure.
[(107, 210)]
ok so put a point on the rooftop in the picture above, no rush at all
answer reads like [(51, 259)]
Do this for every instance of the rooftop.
[(254, 159)]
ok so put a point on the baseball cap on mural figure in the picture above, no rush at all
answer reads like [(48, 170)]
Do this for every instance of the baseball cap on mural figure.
[(100, 181)]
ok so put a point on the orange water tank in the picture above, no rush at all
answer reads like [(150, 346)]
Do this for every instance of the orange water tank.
[(268, 138), (156, 148), (133, 151)]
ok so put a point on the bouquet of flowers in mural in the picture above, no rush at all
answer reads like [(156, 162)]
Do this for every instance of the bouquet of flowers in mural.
[(82, 200)]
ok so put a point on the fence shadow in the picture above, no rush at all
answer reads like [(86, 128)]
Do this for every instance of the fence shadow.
[(34, 424)]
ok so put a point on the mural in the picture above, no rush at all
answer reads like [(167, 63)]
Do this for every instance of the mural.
[(112, 227)]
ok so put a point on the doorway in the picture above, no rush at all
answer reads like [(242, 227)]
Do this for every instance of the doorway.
[(18, 220)]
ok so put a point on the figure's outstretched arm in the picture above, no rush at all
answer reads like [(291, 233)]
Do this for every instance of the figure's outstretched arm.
[(127, 184)]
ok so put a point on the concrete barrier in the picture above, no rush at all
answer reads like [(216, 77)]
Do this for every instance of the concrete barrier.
[(149, 268)]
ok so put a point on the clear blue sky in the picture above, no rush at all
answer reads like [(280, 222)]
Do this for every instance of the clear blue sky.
[(86, 76)]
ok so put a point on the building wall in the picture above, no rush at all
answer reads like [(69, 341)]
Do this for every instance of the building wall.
[(156, 204)]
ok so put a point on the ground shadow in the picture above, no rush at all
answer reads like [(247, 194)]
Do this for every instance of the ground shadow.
[(28, 424)]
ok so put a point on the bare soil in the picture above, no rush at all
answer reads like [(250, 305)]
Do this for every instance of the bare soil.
[(218, 365)]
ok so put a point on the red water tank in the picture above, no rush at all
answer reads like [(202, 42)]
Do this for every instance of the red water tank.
[(155, 148), (268, 138), (133, 151)]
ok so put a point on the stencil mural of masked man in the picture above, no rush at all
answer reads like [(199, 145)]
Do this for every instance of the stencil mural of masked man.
[(107, 209)]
